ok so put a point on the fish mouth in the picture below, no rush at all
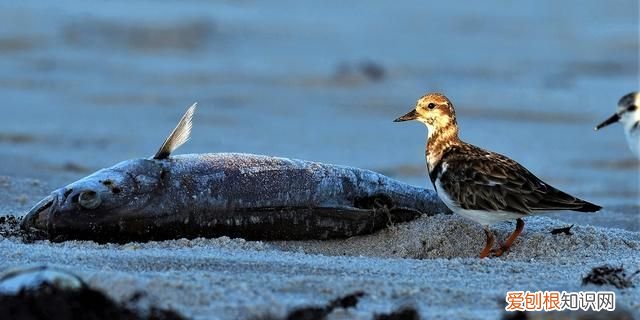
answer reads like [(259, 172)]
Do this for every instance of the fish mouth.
[(36, 222)]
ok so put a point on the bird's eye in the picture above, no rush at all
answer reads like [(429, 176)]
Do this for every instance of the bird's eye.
[(89, 199), (431, 105), (632, 107)]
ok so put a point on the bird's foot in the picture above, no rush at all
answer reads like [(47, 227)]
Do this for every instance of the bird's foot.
[(499, 251), (504, 247), (487, 248)]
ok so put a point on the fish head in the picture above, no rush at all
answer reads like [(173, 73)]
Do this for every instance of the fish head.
[(98, 203)]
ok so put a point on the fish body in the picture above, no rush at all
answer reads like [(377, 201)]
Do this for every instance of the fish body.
[(225, 194), (232, 194)]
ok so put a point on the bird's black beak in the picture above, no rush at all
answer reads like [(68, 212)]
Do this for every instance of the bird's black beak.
[(613, 119), (411, 115)]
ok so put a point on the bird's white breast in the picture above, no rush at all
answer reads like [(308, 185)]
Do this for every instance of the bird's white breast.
[(633, 139), (629, 120)]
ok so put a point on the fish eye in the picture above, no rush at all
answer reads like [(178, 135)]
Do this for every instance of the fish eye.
[(89, 199), (632, 107), (431, 105)]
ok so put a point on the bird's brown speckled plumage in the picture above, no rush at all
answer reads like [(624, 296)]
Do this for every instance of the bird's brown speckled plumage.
[(482, 185), (485, 180)]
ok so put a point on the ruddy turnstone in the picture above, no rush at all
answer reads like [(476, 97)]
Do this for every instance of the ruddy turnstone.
[(629, 115), (481, 185)]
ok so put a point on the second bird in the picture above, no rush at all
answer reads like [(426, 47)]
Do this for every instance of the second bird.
[(481, 185), (629, 115)]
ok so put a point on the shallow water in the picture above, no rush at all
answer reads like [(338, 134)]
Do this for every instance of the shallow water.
[(85, 85)]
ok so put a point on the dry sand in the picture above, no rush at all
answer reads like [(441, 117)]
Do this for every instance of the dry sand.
[(429, 263)]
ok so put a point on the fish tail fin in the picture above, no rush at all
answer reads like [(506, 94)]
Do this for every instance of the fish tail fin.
[(178, 136)]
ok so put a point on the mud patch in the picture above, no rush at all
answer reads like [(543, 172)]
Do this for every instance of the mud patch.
[(618, 164), (602, 68), (608, 275), (16, 138), (357, 73), (74, 167), (17, 44), (185, 35)]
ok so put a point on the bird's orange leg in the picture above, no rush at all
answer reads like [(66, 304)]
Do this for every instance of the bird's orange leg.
[(507, 244), (487, 248)]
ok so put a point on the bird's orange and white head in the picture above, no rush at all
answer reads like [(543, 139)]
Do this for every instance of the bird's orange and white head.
[(434, 110)]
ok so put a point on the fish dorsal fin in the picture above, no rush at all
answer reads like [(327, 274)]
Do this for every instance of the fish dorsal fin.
[(178, 136)]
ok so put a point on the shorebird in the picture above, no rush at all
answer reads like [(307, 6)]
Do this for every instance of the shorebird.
[(629, 115), (481, 185)]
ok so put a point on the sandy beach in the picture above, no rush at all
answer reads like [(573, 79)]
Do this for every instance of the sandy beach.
[(430, 264)]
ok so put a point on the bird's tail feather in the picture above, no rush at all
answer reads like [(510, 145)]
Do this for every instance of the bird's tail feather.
[(559, 200)]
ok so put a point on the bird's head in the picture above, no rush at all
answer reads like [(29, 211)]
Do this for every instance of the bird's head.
[(434, 110), (627, 111)]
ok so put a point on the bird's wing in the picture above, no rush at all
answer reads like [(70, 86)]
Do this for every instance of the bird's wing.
[(489, 181)]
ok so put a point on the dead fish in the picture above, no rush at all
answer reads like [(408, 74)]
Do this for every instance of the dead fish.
[(250, 196)]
